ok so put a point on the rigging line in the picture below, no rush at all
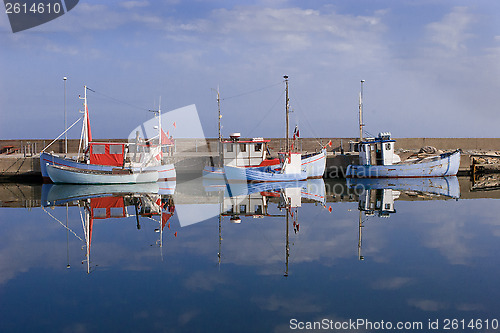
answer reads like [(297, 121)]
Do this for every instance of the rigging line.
[(266, 115), (118, 101), (65, 227), (251, 92), (311, 128)]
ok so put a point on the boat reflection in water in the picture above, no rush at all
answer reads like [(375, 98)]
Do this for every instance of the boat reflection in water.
[(196, 203), (377, 196), (99, 202), (253, 200)]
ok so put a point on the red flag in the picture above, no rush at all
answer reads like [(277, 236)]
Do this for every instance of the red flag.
[(175, 234), (175, 125), (330, 143), (330, 209), (164, 138)]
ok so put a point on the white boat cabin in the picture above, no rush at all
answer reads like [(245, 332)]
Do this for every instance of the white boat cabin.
[(244, 153), (254, 205), (380, 201), (378, 151)]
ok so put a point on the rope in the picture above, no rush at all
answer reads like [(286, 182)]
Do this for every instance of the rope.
[(266, 115), (251, 92), (311, 128), (118, 101)]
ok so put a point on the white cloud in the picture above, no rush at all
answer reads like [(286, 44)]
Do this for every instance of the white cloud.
[(134, 4), (451, 32)]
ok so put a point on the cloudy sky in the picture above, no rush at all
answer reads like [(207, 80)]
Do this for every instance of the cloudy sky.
[(431, 67)]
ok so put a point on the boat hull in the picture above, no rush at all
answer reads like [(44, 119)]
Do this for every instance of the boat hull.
[(437, 166), (254, 175), (165, 172), (67, 175), (313, 165)]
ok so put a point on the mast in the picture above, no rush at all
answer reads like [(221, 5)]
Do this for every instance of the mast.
[(65, 126), (287, 106), (287, 246), (360, 237), (218, 107), (361, 112)]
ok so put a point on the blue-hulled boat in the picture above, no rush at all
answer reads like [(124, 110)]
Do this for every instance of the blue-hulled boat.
[(378, 160)]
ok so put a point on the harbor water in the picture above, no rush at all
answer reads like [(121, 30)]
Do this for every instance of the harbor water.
[(243, 259)]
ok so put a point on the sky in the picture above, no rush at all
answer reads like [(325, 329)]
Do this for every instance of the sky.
[(431, 68)]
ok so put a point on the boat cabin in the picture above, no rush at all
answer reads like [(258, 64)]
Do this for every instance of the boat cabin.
[(254, 205), (380, 201), (241, 153), (107, 153), (378, 151)]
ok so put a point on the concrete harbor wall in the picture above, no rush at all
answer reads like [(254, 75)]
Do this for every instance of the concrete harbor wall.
[(19, 158)]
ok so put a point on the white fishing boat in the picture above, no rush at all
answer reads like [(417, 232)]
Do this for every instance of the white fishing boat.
[(60, 174), (253, 155), (106, 156), (378, 160)]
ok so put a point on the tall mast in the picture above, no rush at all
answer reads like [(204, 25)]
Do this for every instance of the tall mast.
[(65, 126), (361, 112), (287, 106)]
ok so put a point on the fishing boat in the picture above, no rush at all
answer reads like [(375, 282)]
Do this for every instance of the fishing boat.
[(378, 160), (253, 155), (107, 156), (60, 174)]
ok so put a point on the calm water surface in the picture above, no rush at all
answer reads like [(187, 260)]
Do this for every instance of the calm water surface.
[(430, 260)]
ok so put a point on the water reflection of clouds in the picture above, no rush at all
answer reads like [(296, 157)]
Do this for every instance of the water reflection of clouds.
[(392, 283), (455, 229)]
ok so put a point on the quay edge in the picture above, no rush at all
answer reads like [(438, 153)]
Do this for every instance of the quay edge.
[(23, 165)]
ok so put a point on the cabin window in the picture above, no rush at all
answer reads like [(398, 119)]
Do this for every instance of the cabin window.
[(243, 147), (99, 213), (98, 149), (387, 206), (258, 147), (116, 211), (243, 208), (258, 209), (115, 149), (387, 146), (229, 148)]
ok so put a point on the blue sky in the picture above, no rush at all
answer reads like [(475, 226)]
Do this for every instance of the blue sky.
[(431, 67)]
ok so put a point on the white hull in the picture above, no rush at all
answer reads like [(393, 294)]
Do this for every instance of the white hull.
[(314, 165), (165, 172), (67, 175)]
